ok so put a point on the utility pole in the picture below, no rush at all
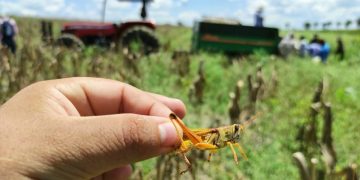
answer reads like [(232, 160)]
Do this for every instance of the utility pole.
[(103, 11)]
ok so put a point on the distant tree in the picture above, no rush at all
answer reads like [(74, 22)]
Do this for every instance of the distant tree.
[(329, 24), (307, 25), (179, 23), (315, 25), (347, 24), (338, 24), (324, 26), (358, 23), (287, 25)]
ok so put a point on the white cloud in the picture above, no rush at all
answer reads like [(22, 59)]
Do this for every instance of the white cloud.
[(71, 12), (120, 11), (159, 4), (34, 7), (181, 2), (189, 16), (54, 6), (296, 12), (115, 4), (164, 11), (167, 4), (277, 12)]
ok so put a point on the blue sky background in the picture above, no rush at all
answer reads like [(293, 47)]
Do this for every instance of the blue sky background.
[(277, 12)]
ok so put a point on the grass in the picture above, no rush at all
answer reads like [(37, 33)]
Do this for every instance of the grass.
[(269, 143)]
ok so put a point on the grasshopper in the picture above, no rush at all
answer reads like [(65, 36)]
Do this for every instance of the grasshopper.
[(210, 139)]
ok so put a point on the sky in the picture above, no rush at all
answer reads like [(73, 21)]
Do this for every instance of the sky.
[(277, 13)]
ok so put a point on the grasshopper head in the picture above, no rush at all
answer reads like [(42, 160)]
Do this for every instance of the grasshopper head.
[(238, 130)]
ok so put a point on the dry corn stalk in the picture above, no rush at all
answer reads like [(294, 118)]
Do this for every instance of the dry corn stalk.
[(196, 92), (234, 107)]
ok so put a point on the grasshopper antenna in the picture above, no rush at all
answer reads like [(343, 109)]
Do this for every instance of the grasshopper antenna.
[(252, 119)]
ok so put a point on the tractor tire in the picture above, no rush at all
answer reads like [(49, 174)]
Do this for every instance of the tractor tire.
[(142, 37), (70, 41)]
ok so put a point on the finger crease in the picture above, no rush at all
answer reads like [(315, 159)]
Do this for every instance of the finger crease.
[(151, 107), (122, 97), (88, 100)]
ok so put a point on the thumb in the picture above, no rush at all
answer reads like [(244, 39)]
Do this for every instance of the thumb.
[(102, 143)]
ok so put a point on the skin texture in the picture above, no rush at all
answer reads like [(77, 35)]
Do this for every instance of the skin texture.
[(83, 128)]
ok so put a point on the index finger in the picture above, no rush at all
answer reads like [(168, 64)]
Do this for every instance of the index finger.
[(95, 96)]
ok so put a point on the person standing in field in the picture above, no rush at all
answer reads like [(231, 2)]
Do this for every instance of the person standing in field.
[(259, 17), (340, 49), (8, 31), (315, 39), (319, 49), (288, 45), (303, 46), (325, 51)]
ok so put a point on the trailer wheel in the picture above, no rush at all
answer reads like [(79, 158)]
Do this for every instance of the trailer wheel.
[(70, 41), (139, 40)]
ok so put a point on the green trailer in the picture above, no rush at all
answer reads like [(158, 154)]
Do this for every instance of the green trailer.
[(234, 38)]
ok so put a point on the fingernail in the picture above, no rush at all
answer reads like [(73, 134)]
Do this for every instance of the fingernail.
[(168, 134)]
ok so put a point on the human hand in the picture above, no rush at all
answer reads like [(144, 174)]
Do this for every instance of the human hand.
[(82, 128)]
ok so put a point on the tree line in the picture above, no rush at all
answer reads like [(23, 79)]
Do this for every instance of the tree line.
[(326, 25)]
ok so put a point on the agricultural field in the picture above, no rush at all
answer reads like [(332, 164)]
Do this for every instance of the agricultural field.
[(282, 109)]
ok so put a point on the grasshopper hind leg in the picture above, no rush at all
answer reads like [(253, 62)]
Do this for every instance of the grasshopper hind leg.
[(205, 146)]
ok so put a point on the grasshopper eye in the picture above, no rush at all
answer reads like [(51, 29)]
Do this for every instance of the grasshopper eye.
[(236, 128)]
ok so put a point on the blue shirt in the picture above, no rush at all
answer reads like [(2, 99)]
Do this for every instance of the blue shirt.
[(259, 20)]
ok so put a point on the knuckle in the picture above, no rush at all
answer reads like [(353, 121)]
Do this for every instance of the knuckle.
[(38, 86)]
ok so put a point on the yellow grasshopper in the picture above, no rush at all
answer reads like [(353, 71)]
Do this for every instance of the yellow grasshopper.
[(208, 139)]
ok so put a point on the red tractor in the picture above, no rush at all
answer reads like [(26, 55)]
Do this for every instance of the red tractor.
[(130, 37)]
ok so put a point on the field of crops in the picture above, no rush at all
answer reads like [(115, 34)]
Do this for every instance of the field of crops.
[(283, 104)]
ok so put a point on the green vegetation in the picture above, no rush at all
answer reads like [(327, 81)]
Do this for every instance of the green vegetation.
[(269, 143)]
